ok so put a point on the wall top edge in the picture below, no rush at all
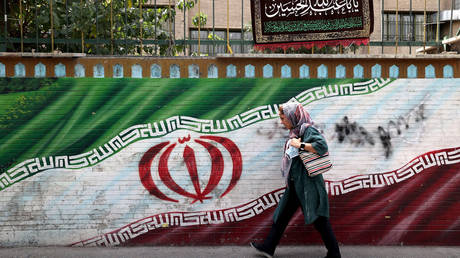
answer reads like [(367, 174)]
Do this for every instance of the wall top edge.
[(28, 54), (82, 55), (241, 56), (341, 56)]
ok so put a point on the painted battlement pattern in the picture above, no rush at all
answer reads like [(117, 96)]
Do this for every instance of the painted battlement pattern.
[(233, 66)]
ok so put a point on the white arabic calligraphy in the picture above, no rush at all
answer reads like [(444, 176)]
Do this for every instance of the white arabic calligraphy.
[(302, 7)]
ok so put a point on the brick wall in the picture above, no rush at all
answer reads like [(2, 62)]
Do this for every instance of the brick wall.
[(114, 162)]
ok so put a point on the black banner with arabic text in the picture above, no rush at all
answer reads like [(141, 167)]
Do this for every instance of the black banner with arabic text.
[(284, 21)]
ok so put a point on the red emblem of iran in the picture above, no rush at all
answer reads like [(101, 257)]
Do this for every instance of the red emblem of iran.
[(158, 159)]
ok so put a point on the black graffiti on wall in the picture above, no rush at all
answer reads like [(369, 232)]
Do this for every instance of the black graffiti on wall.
[(385, 138), (395, 128), (354, 133)]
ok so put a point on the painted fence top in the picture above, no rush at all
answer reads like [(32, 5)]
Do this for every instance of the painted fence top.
[(223, 56), (230, 66), (340, 56)]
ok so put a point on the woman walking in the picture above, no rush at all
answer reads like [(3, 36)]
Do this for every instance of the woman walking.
[(302, 190)]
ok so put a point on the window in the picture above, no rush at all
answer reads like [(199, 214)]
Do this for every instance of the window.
[(220, 35), (406, 30), (410, 27), (419, 27), (390, 25)]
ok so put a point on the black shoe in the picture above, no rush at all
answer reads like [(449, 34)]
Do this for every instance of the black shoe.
[(260, 250), (335, 255)]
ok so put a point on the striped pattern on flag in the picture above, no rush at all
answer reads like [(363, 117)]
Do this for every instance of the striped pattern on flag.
[(314, 163)]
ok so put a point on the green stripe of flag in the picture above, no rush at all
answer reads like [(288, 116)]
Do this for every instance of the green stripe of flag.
[(72, 116)]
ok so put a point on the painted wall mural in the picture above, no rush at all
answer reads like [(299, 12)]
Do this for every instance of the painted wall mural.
[(121, 162)]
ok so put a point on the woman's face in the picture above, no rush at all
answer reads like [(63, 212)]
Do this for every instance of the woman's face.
[(285, 121)]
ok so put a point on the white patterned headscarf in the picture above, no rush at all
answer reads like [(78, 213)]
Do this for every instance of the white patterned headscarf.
[(300, 120)]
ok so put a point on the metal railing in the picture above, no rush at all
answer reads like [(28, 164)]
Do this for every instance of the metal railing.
[(144, 27)]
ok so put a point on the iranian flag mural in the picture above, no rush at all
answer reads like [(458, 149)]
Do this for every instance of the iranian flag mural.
[(117, 162)]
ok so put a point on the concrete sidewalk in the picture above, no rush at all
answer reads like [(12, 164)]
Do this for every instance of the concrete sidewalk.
[(231, 251)]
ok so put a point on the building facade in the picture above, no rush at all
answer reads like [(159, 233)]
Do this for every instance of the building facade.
[(398, 26)]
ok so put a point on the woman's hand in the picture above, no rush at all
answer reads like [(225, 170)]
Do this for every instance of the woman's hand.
[(295, 142)]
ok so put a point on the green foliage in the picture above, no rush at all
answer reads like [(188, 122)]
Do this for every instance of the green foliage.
[(200, 19), (186, 4), (214, 37), (72, 18)]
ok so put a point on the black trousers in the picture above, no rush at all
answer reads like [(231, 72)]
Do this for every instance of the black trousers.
[(322, 225)]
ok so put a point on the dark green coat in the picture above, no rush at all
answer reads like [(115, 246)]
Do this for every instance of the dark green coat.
[(311, 191)]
